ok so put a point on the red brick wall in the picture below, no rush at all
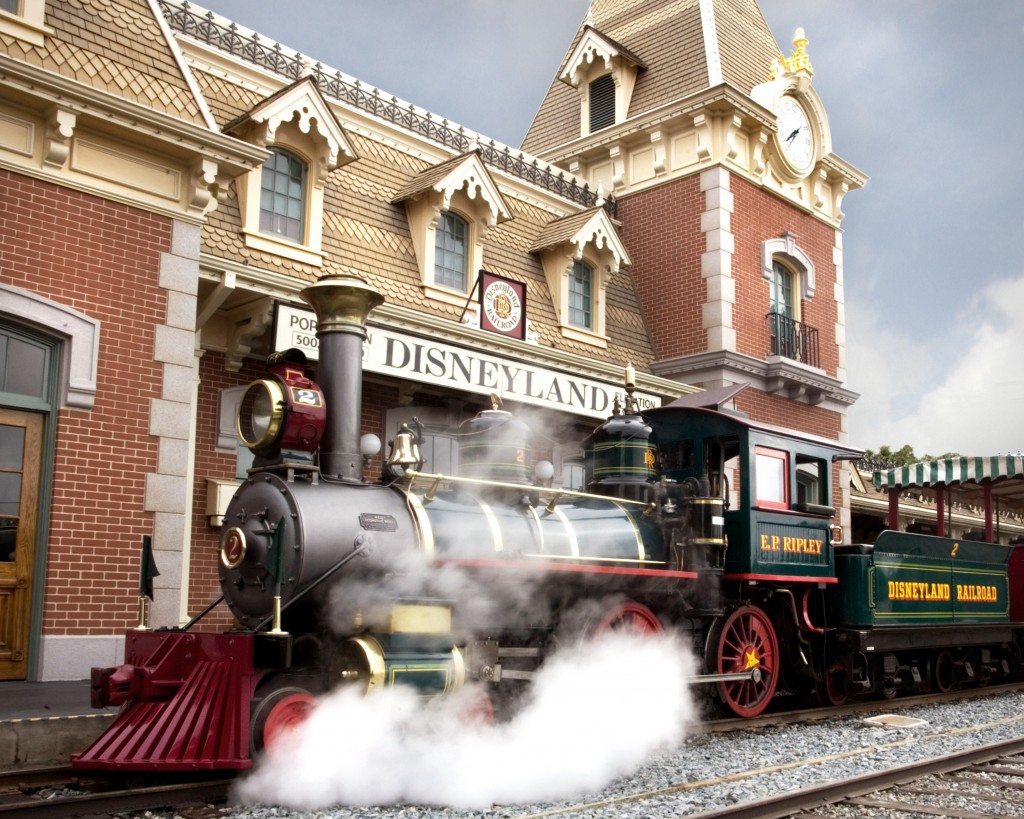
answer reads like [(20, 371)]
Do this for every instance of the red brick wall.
[(203, 583), (661, 231), (759, 216), (101, 258)]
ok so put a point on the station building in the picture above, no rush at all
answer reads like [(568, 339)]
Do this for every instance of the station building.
[(172, 181)]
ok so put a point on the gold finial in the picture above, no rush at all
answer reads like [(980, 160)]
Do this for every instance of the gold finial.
[(630, 389), (495, 401), (798, 59)]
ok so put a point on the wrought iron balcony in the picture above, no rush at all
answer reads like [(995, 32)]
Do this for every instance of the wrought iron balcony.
[(792, 339)]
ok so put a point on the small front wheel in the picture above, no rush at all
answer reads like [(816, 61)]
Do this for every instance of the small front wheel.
[(279, 711)]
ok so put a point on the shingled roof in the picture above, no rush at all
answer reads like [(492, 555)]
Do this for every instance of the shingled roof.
[(683, 50), (117, 47)]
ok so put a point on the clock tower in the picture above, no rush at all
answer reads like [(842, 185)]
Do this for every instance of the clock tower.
[(716, 151)]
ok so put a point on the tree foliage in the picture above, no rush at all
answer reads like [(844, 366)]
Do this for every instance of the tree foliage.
[(904, 456)]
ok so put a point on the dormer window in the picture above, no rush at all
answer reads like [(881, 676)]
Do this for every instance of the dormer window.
[(603, 72), (450, 251), (450, 208), (282, 202), (580, 254), (602, 103), (283, 196), (581, 301)]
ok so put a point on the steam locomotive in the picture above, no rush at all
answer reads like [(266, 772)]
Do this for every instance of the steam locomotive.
[(697, 520)]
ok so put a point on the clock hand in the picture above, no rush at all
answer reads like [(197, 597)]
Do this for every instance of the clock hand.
[(792, 136)]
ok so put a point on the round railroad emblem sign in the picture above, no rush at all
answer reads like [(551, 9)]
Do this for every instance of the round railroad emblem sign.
[(502, 306)]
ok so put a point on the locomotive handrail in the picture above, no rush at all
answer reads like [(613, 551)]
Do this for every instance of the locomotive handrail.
[(358, 548), (438, 477)]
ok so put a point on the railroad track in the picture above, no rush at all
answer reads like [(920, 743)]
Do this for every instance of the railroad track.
[(869, 788), (54, 793), (68, 792), (990, 778), (785, 716)]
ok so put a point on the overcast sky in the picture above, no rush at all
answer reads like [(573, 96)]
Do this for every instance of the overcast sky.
[(924, 96)]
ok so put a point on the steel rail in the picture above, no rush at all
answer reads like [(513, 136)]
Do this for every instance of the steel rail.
[(113, 802), (794, 802), (783, 805)]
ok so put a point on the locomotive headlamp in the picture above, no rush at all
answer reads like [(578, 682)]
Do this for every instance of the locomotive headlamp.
[(284, 411), (260, 414)]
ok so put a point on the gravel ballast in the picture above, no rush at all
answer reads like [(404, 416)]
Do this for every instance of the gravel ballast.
[(709, 771)]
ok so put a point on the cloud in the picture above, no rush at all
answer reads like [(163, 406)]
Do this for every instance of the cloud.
[(955, 394)]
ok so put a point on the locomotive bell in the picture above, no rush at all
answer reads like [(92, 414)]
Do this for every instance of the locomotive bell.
[(405, 450)]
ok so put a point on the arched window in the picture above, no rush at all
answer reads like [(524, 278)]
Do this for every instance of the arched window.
[(782, 291), (581, 302), (782, 312), (283, 196), (450, 251), (26, 371)]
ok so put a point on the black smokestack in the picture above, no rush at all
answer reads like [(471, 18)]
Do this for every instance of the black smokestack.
[(342, 304)]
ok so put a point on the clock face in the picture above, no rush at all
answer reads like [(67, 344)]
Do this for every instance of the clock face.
[(795, 133)]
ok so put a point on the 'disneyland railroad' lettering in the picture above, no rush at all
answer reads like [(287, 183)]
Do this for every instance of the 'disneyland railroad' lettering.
[(906, 590), (977, 594)]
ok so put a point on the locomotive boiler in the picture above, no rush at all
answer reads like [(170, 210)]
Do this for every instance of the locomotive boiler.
[(705, 522)]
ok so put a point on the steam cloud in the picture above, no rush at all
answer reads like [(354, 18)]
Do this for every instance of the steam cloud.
[(596, 711)]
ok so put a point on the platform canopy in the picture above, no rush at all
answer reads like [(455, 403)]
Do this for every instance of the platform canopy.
[(1004, 474)]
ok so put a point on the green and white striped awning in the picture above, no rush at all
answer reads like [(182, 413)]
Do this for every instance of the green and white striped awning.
[(949, 471)]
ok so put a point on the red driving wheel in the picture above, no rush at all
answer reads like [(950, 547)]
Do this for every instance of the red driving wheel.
[(745, 642), (478, 708), (631, 618)]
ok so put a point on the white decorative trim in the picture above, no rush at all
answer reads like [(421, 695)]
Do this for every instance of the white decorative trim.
[(709, 30), (79, 332), (592, 49), (600, 233), (179, 58), (786, 247), (716, 261), (60, 127), (840, 297), (469, 191), (472, 177), (313, 118)]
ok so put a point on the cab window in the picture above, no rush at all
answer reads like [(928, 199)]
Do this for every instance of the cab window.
[(771, 486)]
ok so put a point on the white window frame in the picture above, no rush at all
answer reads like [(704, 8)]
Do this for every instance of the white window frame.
[(27, 23), (304, 198), (300, 122)]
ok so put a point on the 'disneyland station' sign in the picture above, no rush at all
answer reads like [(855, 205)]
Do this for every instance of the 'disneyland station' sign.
[(431, 361)]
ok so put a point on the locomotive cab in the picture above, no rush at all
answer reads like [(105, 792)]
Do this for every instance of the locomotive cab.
[(775, 487)]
